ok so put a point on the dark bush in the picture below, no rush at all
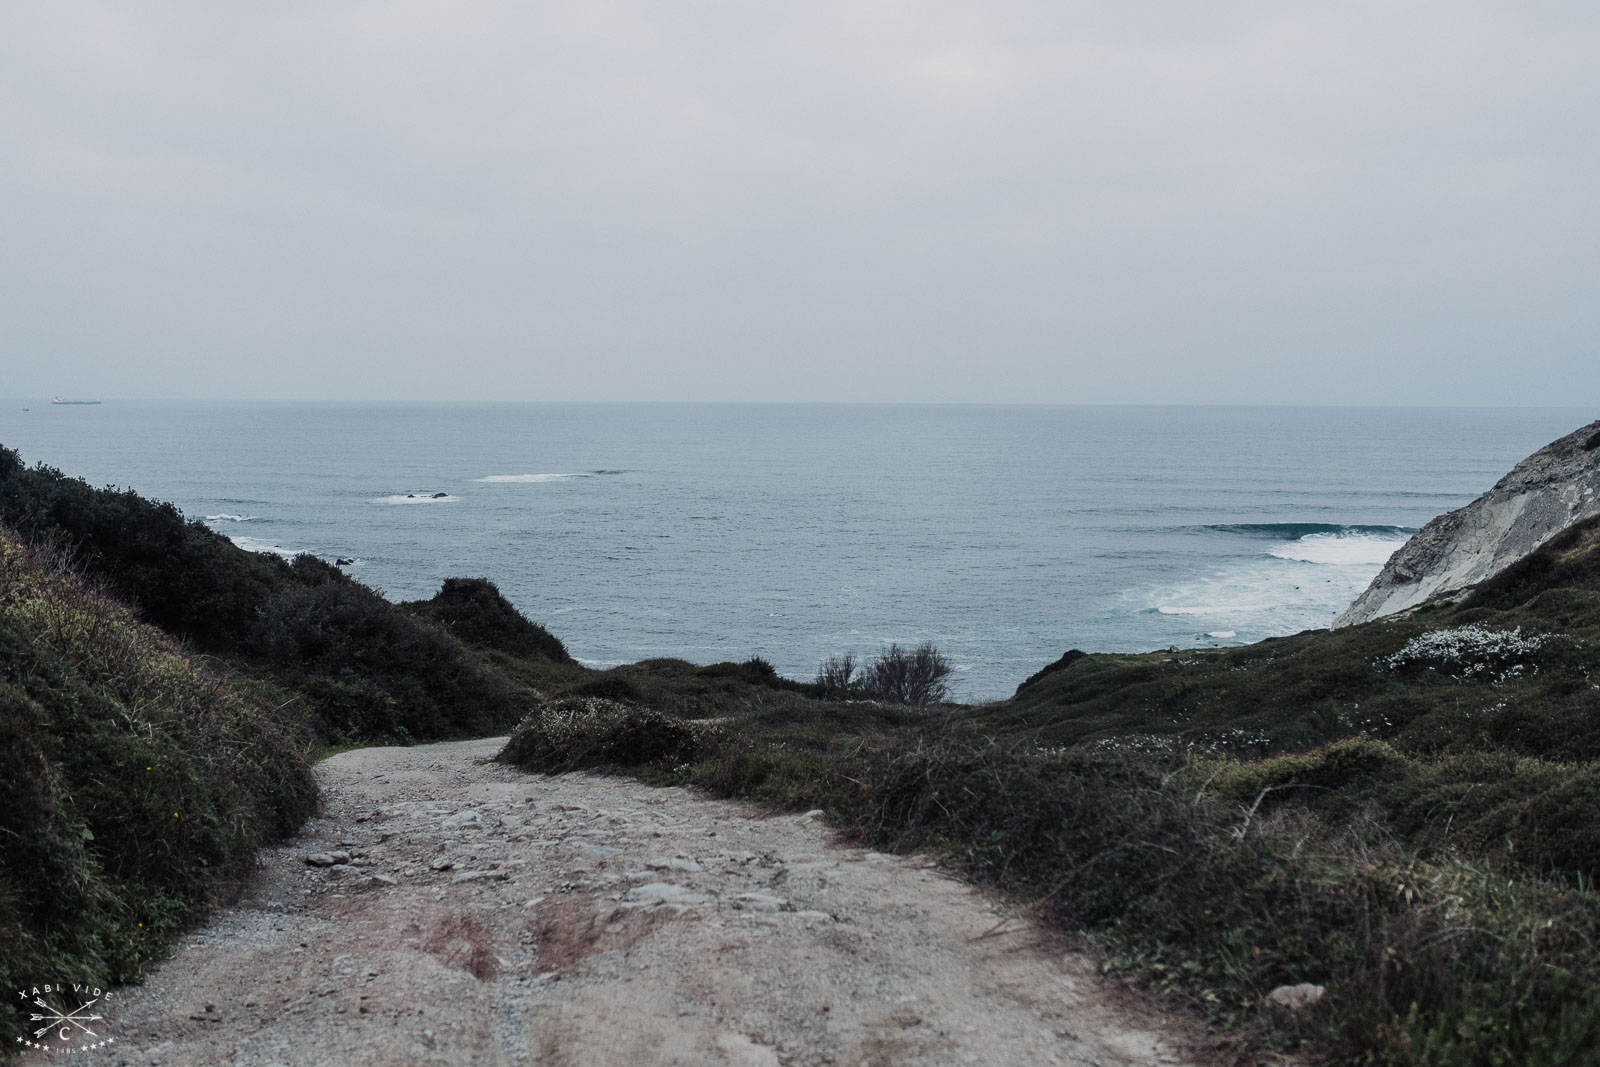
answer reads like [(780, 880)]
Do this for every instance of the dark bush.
[(680, 686), (135, 785), (754, 671), (592, 733), (609, 686), (908, 676), (298, 620), (646, 738), (349, 709), (836, 676), (1068, 658), (474, 610)]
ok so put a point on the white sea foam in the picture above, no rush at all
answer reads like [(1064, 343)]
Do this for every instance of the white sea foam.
[(230, 518), (1259, 599), (256, 544), (1294, 585), (415, 498), (1341, 549), (529, 477)]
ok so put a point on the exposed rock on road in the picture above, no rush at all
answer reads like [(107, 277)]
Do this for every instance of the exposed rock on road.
[(474, 914)]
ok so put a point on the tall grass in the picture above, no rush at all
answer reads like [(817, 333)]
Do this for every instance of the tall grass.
[(1213, 879), (1429, 955), (135, 783)]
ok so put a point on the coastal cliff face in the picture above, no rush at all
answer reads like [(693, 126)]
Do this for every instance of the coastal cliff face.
[(1543, 495)]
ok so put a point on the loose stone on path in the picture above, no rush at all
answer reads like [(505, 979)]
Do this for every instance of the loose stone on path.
[(444, 910)]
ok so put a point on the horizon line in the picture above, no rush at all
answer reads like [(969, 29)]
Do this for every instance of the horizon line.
[(391, 402)]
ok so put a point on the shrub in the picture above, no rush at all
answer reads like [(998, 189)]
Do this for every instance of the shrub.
[(349, 709), (1334, 783), (1068, 658), (675, 685), (908, 676), (295, 620), (594, 733), (1426, 961), (754, 671), (836, 676), (1468, 652), (608, 686), (474, 610), (135, 785)]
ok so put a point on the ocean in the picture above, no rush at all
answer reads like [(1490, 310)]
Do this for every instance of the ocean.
[(1003, 534)]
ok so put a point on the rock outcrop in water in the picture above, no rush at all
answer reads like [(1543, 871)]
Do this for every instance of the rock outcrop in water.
[(1543, 495)]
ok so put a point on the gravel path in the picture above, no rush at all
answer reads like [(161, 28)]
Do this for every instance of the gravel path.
[(473, 914)]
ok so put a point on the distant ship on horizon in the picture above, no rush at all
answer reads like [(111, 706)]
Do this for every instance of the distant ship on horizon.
[(60, 400)]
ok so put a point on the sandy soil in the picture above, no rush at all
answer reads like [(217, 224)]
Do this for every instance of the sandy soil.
[(486, 916)]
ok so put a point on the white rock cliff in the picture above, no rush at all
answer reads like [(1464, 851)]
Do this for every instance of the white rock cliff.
[(1543, 495)]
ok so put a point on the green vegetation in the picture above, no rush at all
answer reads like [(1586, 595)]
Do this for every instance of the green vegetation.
[(161, 692), (135, 784), (917, 676), (365, 669), (473, 610), (1405, 812), (1505, 668), (576, 732)]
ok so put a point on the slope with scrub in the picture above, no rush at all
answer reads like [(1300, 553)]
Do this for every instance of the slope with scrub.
[(136, 783), (1405, 813)]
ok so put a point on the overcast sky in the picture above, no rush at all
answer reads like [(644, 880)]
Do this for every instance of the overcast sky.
[(1359, 202)]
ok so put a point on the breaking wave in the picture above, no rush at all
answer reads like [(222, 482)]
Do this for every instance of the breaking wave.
[(1290, 531), (1302, 576), (597, 473), (271, 548), (536, 477), (1341, 549), (416, 498)]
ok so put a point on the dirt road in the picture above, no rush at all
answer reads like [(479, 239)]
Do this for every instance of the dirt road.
[(460, 912)]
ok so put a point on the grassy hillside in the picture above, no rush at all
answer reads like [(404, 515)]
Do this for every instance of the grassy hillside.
[(1406, 812), (365, 669), (135, 784), (1505, 667)]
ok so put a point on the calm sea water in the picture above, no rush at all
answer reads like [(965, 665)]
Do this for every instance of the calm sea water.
[(1005, 535)]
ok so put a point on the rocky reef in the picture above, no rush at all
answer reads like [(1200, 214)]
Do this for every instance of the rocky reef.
[(1544, 494)]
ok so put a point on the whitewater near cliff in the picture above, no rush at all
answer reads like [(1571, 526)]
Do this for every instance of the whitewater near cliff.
[(1557, 486)]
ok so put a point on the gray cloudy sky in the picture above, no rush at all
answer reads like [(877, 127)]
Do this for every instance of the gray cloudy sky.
[(1274, 201)]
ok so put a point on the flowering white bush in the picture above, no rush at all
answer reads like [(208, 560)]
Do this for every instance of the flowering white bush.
[(1468, 652), (1235, 739)]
